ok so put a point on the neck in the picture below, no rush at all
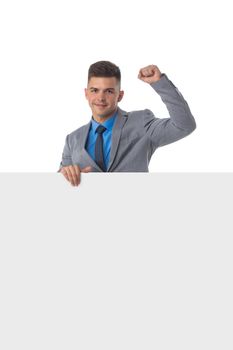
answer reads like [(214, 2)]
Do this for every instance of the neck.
[(102, 119)]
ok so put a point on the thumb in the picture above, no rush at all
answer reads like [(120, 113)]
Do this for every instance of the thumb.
[(87, 169), (139, 74)]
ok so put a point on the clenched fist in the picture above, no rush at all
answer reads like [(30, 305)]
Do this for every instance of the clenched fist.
[(149, 74)]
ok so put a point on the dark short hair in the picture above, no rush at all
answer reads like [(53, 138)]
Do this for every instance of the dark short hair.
[(104, 69)]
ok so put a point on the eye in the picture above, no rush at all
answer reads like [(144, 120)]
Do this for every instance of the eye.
[(110, 91), (94, 90)]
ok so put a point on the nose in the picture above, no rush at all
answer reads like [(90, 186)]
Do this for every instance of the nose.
[(101, 96)]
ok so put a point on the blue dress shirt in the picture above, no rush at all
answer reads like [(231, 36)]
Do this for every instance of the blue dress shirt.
[(107, 138)]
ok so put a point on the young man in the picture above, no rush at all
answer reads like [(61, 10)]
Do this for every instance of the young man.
[(119, 141)]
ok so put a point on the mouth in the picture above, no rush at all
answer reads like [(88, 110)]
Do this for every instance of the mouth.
[(100, 105)]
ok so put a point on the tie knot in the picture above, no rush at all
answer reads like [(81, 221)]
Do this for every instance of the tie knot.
[(100, 129)]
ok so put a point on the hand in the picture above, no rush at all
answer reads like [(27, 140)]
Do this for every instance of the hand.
[(72, 173), (149, 74)]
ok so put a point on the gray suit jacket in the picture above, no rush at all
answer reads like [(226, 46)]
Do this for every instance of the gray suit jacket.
[(136, 134)]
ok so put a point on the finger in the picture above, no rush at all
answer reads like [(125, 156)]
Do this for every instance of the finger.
[(64, 173), (143, 73), (87, 169), (75, 171), (140, 74), (148, 72), (68, 175), (71, 176)]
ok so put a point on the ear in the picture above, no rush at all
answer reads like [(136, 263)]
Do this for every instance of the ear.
[(121, 94)]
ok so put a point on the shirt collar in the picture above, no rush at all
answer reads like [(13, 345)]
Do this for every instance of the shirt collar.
[(108, 124)]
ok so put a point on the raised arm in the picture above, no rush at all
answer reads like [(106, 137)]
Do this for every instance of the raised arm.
[(181, 123)]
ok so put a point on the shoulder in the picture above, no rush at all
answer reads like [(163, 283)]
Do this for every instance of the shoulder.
[(140, 119), (137, 114), (74, 138), (78, 131)]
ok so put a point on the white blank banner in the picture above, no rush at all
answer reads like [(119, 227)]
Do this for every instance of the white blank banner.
[(124, 261)]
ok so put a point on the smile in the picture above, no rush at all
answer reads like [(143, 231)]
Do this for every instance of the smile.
[(101, 106)]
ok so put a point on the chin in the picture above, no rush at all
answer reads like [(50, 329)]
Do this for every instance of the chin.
[(104, 115)]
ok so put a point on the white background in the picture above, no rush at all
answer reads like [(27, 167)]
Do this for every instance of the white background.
[(150, 270), (48, 46)]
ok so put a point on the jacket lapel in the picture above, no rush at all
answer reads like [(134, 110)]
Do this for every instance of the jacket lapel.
[(116, 134)]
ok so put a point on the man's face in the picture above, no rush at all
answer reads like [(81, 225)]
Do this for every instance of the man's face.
[(103, 95)]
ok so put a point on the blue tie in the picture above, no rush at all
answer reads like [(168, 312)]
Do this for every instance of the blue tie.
[(99, 154)]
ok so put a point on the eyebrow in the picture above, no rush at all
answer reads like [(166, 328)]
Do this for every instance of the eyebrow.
[(92, 87)]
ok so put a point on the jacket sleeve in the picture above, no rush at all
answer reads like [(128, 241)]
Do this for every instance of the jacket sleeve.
[(66, 155), (181, 123)]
